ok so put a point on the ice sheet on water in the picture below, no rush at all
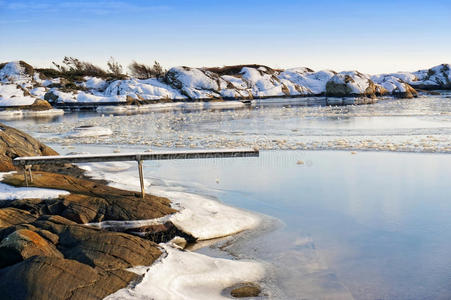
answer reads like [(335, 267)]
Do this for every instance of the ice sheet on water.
[(187, 275)]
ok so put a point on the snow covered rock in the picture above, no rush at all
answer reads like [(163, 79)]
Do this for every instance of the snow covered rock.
[(306, 81), (264, 82), (195, 83), (438, 77), (21, 85), (395, 85), (351, 83), (146, 89), (16, 71), (15, 95)]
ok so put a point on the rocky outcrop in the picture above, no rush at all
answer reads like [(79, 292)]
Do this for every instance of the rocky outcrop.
[(19, 83), (91, 201), (22, 244), (47, 251), (14, 143), (41, 277), (13, 216)]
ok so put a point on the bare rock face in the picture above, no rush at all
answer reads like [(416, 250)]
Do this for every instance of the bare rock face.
[(14, 143), (22, 244), (12, 216), (55, 258), (42, 277)]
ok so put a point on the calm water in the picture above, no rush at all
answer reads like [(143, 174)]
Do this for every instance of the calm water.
[(370, 225)]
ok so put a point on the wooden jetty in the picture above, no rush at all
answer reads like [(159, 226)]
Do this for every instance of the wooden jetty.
[(27, 162)]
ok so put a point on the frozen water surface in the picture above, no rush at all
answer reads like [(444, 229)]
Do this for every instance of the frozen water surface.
[(354, 224), (415, 125)]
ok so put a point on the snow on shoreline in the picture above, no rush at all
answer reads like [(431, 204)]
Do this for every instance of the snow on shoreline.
[(188, 275), (183, 274), (8, 192), (200, 216), (19, 86)]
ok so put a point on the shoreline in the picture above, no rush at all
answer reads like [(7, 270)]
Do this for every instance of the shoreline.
[(71, 202)]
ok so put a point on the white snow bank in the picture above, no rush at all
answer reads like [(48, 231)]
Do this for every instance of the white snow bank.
[(12, 72), (94, 83), (188, 275), (263, 84), (202, 217), (85, 97), (309, 82), (13, 95), (8, 192), (206, 218), (148, 89)]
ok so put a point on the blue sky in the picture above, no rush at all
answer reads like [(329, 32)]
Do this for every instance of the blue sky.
[(371, 36)]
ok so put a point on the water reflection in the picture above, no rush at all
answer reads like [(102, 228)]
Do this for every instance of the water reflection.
[(368, 226)]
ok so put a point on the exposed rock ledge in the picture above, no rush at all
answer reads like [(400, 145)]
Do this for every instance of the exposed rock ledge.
[(45, 250), (21, 85)]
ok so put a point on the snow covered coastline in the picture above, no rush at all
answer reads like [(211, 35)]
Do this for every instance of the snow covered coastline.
[(21, 85), (180, 274)]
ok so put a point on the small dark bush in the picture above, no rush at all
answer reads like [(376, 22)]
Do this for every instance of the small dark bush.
[(75, 67), (142, 71), (47, 73), (114, 67)]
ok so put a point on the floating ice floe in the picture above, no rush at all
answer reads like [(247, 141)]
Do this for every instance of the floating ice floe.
[(90, 131), (188, 275)]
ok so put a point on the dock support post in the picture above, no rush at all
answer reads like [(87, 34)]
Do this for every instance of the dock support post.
[(25, 176), (27, 169), (141, 177), (29, 173)]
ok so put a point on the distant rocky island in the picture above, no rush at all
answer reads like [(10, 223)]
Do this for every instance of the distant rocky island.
[(23, 85)]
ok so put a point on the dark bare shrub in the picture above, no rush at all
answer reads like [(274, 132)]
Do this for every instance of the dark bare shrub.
[(143, 71), (114, 67), (75, 67)]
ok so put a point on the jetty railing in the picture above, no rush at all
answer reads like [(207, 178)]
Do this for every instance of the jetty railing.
[(27, 162)]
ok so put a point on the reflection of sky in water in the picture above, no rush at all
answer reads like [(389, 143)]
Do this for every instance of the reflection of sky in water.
[(380, 222)]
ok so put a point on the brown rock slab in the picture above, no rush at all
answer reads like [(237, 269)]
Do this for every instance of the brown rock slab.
[(13, 216), (94, 201), (22, 244), (56, 278), (107, 250), (14, 143)]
